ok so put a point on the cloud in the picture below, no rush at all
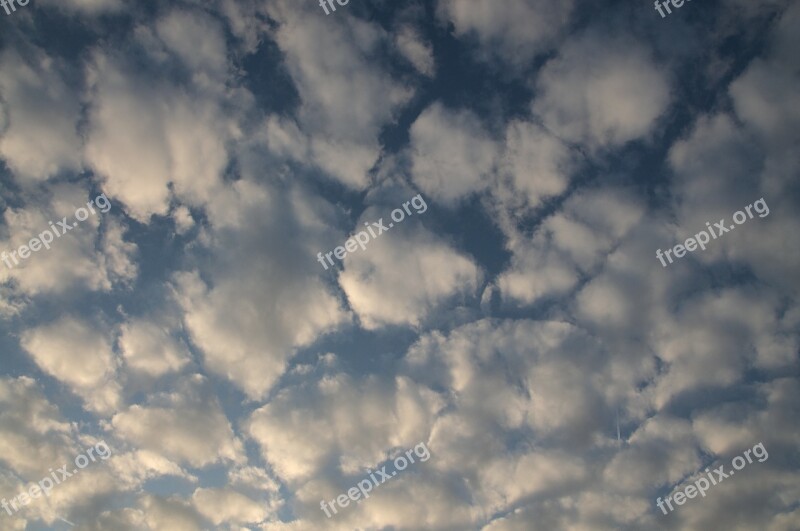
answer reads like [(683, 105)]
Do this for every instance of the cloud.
[(151, 349), (173, 140), (404, 276), (187, 426), (170, 513), (41, 112), (346, 94), (197, 40), (568, 244), (452, 155), (658, 452), (244, 321), (538, 164), (418, 52), (38, 440), (518, 32), (133, 469), (325, 432), (559, 375), (33, 431), (228, 506), (756, 149), (501, 377), (311, 426), (94, 254), (602, 91), (89, 7), (75, 353)]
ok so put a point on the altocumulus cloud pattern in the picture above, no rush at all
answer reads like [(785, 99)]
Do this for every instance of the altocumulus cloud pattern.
[(549, 336)]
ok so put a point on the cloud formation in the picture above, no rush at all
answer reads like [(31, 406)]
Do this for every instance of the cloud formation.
[(521, 327)]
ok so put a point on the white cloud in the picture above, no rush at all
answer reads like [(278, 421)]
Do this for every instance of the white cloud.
[(693, 363), (187, 426), (33, 431), (336, 417), (171, 513), (151, 349), (346, 94), (146, 134), (132, 469), (538, 163), (569, 243), (418, 52), (228, 506), (517, 30), (74, 352), (39, 440), (534, 274), (602, 91), (662, 450), (404, 276), (244, 320), (41, 113), (717, 151), (183, 220), (714, 341), (93, 254), (452, 155), (197, 40)]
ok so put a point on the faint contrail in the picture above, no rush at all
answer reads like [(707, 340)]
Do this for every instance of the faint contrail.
[(67, 521)]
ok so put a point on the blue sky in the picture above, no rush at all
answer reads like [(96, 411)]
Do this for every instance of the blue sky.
[(513, 326)]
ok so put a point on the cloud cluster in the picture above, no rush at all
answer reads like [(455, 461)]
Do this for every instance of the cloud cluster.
[(522, 327), (517, 32)]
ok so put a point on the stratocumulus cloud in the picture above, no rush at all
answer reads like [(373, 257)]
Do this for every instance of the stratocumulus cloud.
[(390, 265)]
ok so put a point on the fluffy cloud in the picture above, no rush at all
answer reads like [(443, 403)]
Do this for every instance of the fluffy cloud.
[(451, 153), (226, 505), (346, 95), (245, 137), (151, 349), (323, 434), (140, 182), (313, 425), (418, 52), (187, 426), (34, 433), (601, 93), (41, 114), (404, 275), (94, 254), (568, 244), (73, 352), (758, 157), (517, 31), (150, 138), (245, 322), (197, 40), (39, 440), (537, 164)]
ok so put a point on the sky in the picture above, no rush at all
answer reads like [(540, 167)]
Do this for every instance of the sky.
[(584, 317)]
